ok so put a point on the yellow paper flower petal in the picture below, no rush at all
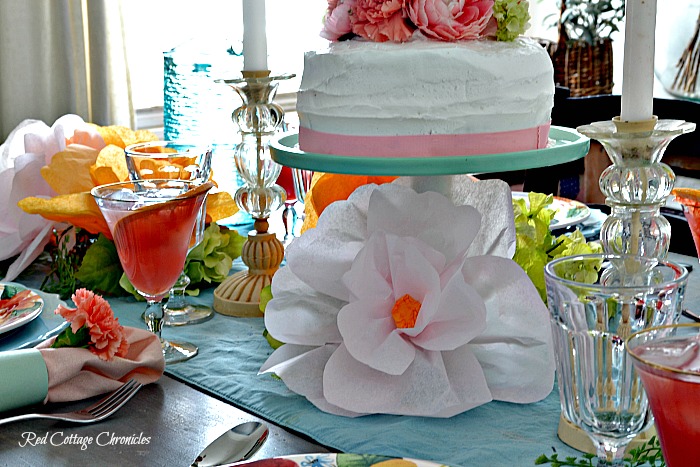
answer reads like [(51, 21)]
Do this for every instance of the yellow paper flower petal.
[(103, 175), (113, 157), (78, 209), (220, 206), (69, 170)]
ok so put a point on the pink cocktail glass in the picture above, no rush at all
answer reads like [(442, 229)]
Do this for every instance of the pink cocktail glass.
[(690, 199), (667, 359), (151, 222)]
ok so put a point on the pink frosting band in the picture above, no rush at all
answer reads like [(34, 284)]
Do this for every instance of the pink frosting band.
[(424, 145)]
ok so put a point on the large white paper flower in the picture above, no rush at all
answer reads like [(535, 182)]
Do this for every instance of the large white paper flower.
[(29, 147), (407, 303)]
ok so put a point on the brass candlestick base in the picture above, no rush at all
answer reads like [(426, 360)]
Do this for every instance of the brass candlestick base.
[(239, 294)]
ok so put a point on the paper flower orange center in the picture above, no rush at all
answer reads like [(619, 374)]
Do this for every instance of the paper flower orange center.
[(405, 311)]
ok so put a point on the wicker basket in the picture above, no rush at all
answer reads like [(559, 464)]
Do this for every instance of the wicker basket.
[(587, 70)]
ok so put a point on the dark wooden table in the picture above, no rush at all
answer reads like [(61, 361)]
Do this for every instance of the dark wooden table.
[(169, 422)]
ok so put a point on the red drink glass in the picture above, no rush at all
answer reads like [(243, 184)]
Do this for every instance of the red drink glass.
[(690, 199), (667, 359), (176, 160), (151, 222)]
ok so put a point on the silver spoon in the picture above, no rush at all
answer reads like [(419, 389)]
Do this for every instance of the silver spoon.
[(237, 444)]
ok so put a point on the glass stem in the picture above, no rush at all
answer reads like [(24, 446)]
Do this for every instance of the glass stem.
[(609, 453), (176, 297), (154, 317)]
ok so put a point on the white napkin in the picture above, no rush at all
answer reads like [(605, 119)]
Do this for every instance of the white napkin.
[(482, 332), (29, 147)]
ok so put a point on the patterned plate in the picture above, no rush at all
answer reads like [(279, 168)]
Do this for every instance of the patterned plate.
[(568, 212), (13, 315), (340, 460)]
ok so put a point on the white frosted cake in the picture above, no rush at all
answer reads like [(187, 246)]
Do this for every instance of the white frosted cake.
[(425, 97)]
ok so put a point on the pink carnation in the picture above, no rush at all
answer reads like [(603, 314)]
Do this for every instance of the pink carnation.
[(450, 20), (381, 21), (337, 22), (106, 334)]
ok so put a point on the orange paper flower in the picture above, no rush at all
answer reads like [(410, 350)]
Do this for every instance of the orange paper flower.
[(327, 188)]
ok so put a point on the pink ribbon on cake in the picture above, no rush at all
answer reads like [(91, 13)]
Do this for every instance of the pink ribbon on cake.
[(424, 145)]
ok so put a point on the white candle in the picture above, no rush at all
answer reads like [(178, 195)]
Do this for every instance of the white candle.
[(638, 66), (254, 37)]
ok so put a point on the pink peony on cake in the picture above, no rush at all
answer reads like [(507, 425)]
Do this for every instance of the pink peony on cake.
[(422, 78)]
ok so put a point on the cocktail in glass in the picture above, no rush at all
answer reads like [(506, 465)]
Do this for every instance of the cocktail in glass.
[(690, 200), (151, 222), (667, 359), (175, 160)]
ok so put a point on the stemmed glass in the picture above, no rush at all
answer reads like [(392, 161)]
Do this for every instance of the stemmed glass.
[(180, 161), (151, 222), (296, 183), (289, 215), (689, 198), (667, 358), (595, 303)]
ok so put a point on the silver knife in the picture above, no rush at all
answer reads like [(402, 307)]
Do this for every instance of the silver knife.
[(47, 335)]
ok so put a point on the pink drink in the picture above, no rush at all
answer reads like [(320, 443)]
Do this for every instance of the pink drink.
[(670, 371), (286, 181), (153, 241)]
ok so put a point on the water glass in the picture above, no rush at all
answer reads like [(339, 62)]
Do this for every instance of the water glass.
[(177, 160), (595, 303), (667, 359)]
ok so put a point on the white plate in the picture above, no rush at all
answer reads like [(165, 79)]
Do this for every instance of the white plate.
[(568, 212), (47, 325), (339, 460), (30, 310)]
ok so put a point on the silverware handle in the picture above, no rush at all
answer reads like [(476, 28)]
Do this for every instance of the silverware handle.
[(17, 418)]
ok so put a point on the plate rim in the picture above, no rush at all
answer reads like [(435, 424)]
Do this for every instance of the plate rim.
[(586, 212), (4, 328), (302, 458)]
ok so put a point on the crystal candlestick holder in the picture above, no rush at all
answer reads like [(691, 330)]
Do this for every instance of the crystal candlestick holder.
[(636, 184), (258, 119)]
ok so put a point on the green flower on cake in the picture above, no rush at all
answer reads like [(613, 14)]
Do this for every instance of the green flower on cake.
[(512, 17)]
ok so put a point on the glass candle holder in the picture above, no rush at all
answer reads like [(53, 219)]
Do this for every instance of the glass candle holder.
[(636, 184), (258, 119)]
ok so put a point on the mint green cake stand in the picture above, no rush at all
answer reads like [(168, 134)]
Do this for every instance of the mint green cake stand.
[(566, 145)]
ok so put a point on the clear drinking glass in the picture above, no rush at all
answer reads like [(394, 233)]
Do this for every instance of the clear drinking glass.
[(595, 303), (181, 161), (667, 359), (151, 222)]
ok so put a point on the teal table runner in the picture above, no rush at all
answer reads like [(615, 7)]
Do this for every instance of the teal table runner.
[(231, 350)]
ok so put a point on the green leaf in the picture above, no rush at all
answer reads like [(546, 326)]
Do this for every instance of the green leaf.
[(101, 270), (126, 284), (68, 339), (274, 343), (265, 296), (8, 292)]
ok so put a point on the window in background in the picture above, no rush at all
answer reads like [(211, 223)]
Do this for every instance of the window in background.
[(158, 26)]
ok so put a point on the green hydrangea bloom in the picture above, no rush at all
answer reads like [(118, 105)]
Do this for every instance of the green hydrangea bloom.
[(211, 260), (512, 17)]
